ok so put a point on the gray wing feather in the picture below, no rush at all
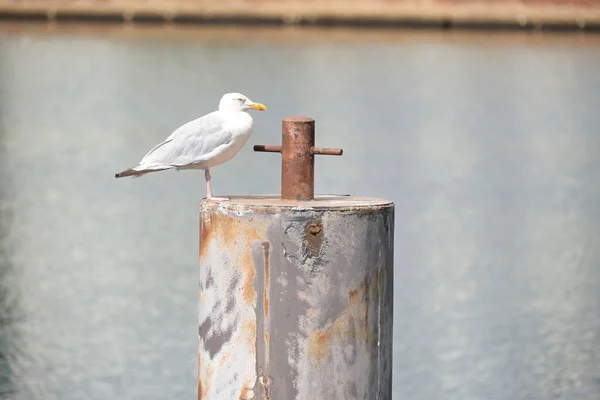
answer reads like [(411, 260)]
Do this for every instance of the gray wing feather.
[(190, 143)]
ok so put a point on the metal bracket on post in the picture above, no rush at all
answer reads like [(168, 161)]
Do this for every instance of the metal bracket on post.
[(297, 158)]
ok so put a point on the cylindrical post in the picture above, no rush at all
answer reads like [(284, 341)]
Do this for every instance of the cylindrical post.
[(296, 300), (297, 159)]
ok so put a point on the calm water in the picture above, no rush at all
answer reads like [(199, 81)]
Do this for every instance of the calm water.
[(488, 145)]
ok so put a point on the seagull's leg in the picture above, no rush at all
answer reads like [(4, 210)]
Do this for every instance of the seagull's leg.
[(207, 178), (209, 195)]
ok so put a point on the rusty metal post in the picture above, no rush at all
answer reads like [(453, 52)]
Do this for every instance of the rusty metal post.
[(298, 167), (298, 157), (296, 298)]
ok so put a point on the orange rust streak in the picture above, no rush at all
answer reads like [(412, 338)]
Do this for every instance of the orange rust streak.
[(230, 236), (235, 237), (214, 223), (225, 358), (266, 255), (266, 387), (319, 344), (247, 266), (265, 382), (351, 326), (204, 385), (266, 337), (247, 392), (266, 308), (204, 237), (266, 246), (248, 331)]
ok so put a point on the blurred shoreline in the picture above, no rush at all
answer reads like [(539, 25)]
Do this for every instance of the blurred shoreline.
[(292, 34), (469, 14)]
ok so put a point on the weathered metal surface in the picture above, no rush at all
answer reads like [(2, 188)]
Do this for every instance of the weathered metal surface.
[(297, 157), (296, 299)]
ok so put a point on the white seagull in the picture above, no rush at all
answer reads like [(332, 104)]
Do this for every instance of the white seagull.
[(204, 142)]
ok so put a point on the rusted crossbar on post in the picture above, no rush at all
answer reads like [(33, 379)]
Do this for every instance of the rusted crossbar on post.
[(297, 157)]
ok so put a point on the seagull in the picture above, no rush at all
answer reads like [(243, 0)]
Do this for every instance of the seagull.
[(204, 142)]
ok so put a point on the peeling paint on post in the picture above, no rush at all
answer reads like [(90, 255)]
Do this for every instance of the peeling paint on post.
[(296, 299)]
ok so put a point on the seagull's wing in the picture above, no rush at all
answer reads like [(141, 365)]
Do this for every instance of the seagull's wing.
[(190, 143)]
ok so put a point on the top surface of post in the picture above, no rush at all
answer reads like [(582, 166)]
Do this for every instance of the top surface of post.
[(297, 158), (274, 204), (299, 119)]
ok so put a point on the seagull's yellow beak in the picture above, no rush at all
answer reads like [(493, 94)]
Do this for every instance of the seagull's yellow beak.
[(258, 106)]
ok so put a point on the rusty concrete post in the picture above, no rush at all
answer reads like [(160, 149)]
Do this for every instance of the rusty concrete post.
[(296, 298)]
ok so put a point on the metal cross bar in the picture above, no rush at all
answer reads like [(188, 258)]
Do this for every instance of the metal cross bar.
[(297, 157)]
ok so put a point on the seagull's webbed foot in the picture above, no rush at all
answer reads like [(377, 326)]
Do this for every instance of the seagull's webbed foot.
[(209, 195)]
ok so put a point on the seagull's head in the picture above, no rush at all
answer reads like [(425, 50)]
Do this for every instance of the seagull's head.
[(239, 102)]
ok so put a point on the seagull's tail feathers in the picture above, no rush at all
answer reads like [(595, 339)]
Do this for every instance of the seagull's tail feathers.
[(140, 170)]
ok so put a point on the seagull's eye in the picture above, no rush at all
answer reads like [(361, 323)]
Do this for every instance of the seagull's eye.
[(240, 100)]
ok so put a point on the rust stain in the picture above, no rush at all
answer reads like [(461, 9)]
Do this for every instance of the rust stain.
[(203, 385), (215, 225), (205, 225), (225, 357), (234, 238), (266, 336), (266, 249), (248, 333), (354, 293), (352, 326), (265, 382), (247, 266), (247, 392), (266, 298), (231, 235), (245, 240), (318, 345)]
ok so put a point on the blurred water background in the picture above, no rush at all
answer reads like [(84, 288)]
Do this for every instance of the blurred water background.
[(488, 143)]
